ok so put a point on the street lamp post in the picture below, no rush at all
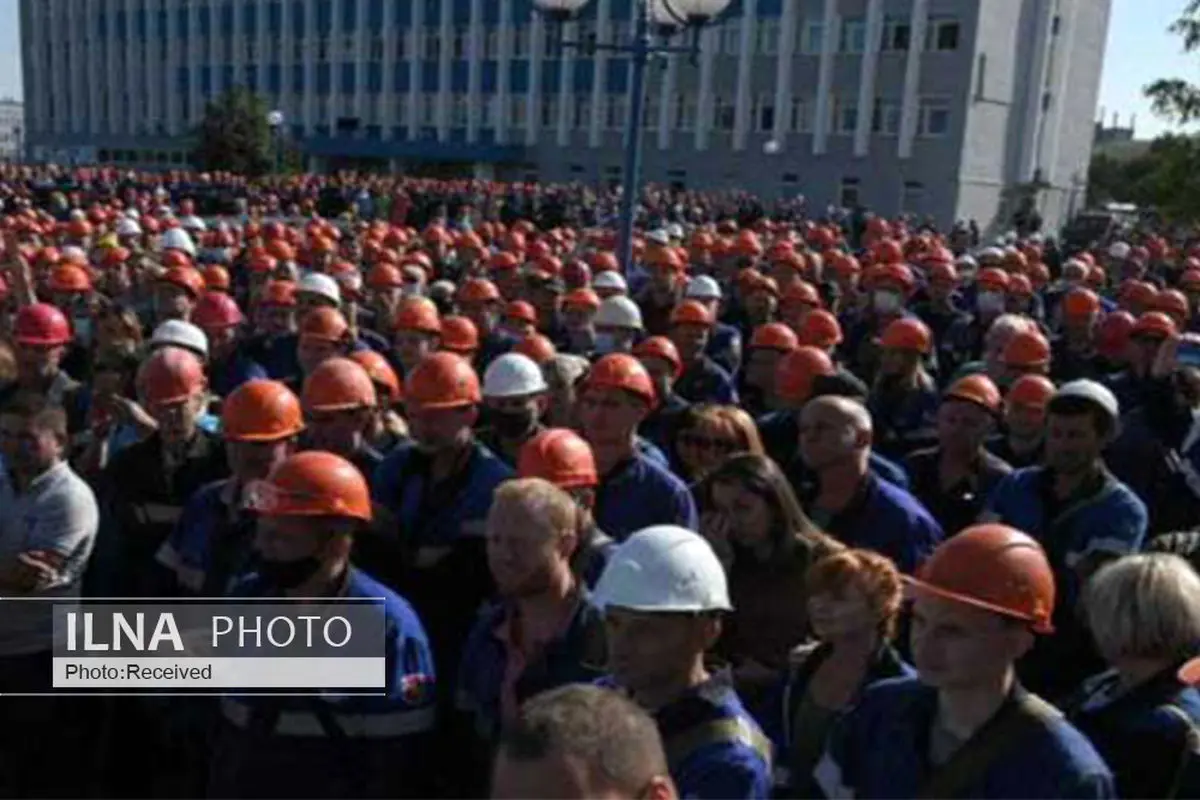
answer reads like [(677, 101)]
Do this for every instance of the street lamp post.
[(665, 17), (275, 120)]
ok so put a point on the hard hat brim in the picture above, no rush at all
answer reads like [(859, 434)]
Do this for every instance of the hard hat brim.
[(922, 587)]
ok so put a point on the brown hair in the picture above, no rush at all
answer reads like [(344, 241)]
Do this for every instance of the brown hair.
[(731, 421), (39, 414), (874, 574)]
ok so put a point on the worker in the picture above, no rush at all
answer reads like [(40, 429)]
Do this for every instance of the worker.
[(579, 317), (954, 478), (664, 288), (339, 401), (635, 490), (847, 500), (1074, 351), (40, 336), (143, 491), (724, 345), (480, 301), (541, 632), (1081, 514), (176, 293), (663, 595), (439, 488), (229, 365), (261, 421), (274, 342), (1022, 442), (416, 329), (618, 326), (661, 359), (965, 340), (564, 458), (768, 343), (702, 380), (964, 726), (903, 400), (515, 398), (795, 373), (324, 334), (387, 428), (310, 508), (580, 742)]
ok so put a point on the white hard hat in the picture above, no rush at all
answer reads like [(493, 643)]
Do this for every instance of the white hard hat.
[(178, 239), (610, 280), (133, 213), (664, 568), (320, 284), (658, 237), (74, 254), (966, 261), (127, 226), (1092, 391), (1119, 251), (703, 287), (675, 230), (619, 311), (193, 223), (513, 375), (178, 333), (991, 254)]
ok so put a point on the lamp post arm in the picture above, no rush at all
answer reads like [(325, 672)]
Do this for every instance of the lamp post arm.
[(641, 50)]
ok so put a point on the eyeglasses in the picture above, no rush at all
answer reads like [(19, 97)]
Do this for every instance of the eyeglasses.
[(706, 442)]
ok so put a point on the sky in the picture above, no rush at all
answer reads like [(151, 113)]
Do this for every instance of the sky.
[(1139, 50)]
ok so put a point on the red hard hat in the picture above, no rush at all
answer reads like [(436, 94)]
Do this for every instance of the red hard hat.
[(775, 336), (313, 483), (442, 380), (820, 328), (459, 335), (186, 278), (418, 314), (41, 324), (170, 375), (622, 371), (796, 371), (338, 384), (662, 348), (216, 310), (560, 456), (907, 333), (1030, 390), (381, 372), (978, 389)]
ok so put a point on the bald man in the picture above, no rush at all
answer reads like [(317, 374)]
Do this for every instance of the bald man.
[(582, 741), (847, 500)]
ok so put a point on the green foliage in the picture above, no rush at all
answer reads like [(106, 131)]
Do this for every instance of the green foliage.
[(234, 135), (1166, 177), (1178, 99)]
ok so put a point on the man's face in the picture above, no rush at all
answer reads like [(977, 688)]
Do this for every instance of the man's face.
[(826, 436), (1025, 421), (690, 340), (760, 368), (1072, 443), (177, 421), (523, 551), (287, 538), (38, 449), (609, 416), (172, 302), (956, 646), (484, 315), (437, 430), (647, 649), (250, 461), (962, 427), (411, 347), (338, 432), (312, 352), (277, 320), (38, 362)]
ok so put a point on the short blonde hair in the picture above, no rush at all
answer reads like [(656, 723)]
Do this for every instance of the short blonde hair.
[(541, 500), (1145, 606)]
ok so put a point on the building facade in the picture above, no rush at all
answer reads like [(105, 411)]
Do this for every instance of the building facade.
[(12, 129), (939, 107)]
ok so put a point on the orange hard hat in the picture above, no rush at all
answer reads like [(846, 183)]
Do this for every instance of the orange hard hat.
[(993, 278), (1137, 293), (70, 278), (216, 278), (775, 336), (1020, 285), (1034, 391), (625, 372), (820, 328), (385, 276), (1080, 302), (561, 456), (995, 568), (520, 311), (278, 293), (281, 250), (581, 298), (1154, 324), (1026, 349), (1190, 279), (381, 373), (537, 347), (313, 483), (907, 333), (216, 310), (604, 261), (662, 348), (418, 314), (801, 293), (664, 258), (796, 371), (503, 262), (176, 258), (338, 384), (171, 375), (263, 262), (442, 380), (1173, 303), (894, 274), (692, 312), (1113, 332), (115, 255), (186, 278), (326, 324), (978, 389), (887, 251), (261, 410), (941, 272), (459, 335), (478, 290)]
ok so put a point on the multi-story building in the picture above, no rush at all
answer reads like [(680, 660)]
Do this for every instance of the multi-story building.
[(12, 129), (942, 107)]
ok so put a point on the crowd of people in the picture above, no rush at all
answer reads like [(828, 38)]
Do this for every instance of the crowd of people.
[(792, 505)]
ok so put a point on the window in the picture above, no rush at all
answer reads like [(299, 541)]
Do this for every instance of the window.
[(549, 113), (764, 116), (491, 44), (458, 44), (981, 76), (685, 112), (896, 36), (400, 48), (912, 197), (731, 37), (581, 112), (1055, 25), (942, 35), (431, 43), (812, 37), (849, 197), (768, 37), (520, 42), (724, 114), (845, 116), (886, 117), (550, 48), (650, 117), (428, 108), (458, 111), (489, 111), (852, 38), (802, 115), (298, 46), (620, 31), (614, 112), (516, 117), (935, 118), (349, 46), (322, 50), (376, 49)]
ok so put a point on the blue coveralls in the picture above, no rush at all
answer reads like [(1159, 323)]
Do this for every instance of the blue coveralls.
[(641, 492), (725, 347), (780, 433), (1106, 518), (213, 544), (904, 421), (714, 747), (705, 381), (881, 749), (225, 376), (327, 745)]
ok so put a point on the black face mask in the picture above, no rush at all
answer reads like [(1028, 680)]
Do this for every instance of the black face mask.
[(513, 424), (288, 574)]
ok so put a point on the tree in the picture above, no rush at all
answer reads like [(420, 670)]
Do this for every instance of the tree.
[(1178, 99), (234, 135), (1166, 177)]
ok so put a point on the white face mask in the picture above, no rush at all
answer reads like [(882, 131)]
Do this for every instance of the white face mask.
[(990, 302), (886, 302)]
